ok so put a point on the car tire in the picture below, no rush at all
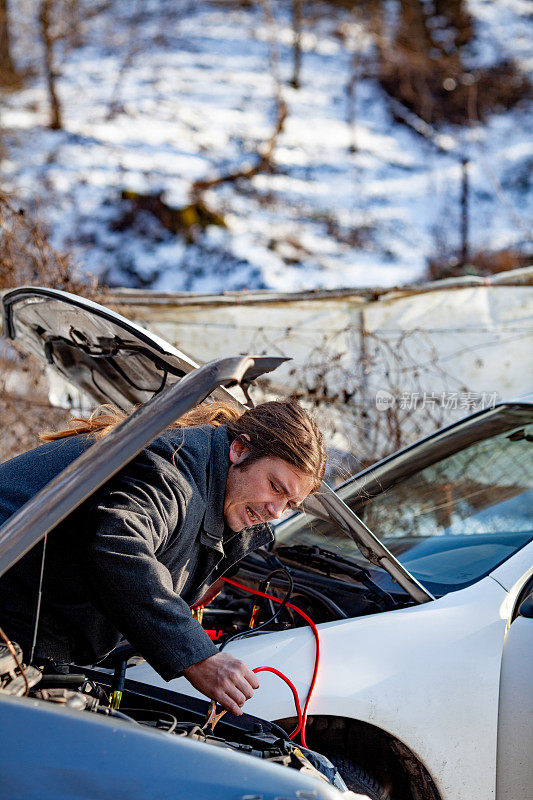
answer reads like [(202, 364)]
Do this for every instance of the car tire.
[(359, 780)]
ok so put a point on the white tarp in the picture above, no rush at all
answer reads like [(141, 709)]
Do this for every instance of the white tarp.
[(382, 368), (425, 356)]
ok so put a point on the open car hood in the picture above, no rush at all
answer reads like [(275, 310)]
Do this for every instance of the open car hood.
[(101, 353), (108, 455)]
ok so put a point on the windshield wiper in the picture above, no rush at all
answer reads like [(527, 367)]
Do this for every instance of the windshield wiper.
[(326, 558)]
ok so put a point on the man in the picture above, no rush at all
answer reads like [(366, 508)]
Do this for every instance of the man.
[(131, 560)]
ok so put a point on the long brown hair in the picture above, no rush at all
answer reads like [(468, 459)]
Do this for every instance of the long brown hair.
[(106, 417), (276, 429)]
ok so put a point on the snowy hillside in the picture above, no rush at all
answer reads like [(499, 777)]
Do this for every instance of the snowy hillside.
[(157, 94)]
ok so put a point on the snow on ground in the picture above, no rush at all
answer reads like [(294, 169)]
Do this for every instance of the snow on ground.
[(162, 93)]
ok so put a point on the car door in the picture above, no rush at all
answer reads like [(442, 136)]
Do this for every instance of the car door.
[(514, 763)]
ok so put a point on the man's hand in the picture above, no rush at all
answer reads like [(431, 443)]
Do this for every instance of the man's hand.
[(225, 679)]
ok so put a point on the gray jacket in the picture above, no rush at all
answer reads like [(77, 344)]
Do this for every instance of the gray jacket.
[(131, 559)]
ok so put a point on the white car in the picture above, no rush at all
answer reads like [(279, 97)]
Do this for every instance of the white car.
[(411, 571), (412, 631)]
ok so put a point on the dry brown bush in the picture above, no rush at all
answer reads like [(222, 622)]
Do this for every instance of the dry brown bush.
[(421, 61), (421, 85), (480, 262), (27, 259)]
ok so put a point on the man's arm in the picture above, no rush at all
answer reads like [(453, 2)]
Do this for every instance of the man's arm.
[(130, 520)]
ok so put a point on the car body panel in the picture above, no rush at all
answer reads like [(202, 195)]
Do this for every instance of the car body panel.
[(513, 570), (54, 753), (514, 764), (393, 670)]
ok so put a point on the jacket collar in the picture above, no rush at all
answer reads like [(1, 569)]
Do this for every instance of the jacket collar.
[(238, 545), (214, 525)]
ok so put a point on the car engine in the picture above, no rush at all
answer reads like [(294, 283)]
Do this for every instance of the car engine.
[(90, 690)]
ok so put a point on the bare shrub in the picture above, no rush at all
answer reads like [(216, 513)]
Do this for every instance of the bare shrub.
[(480, 262), (27, 259), (440, 90)]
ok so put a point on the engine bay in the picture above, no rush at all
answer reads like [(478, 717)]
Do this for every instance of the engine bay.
[(90, 690), (327, 588)]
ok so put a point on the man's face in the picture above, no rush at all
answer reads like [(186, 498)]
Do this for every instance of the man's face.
[(261, 491)]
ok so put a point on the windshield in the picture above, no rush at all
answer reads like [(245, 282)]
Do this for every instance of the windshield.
[(451, 521)]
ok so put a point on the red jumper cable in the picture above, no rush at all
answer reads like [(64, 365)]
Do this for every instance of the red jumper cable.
[(302, 717)]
